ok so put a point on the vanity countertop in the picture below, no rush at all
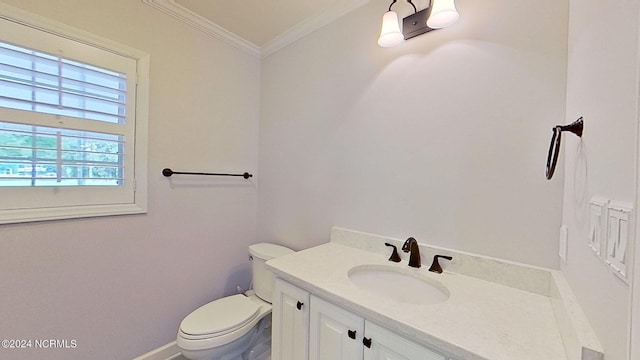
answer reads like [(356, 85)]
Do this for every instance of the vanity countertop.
[(480, 320)]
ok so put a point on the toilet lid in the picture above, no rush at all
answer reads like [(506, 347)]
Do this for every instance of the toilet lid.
[(220, 316)]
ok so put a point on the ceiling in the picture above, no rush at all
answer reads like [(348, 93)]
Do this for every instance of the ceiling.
[(258, 21)]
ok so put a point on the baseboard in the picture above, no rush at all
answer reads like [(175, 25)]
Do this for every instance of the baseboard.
[(169, 351)]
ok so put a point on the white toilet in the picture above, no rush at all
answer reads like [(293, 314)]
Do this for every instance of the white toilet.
[(226, 328)]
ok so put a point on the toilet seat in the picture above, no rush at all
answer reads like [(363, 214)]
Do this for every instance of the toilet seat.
[(219, 322)]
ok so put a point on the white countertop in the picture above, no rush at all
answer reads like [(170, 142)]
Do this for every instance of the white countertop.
[(480, 320)]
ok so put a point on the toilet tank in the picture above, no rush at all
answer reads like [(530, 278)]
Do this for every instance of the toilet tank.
[(263, 280)]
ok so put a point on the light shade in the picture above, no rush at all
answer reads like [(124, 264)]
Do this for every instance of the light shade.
[(390, 35), (443, 14)]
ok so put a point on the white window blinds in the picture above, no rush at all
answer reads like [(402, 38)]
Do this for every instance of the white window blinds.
[(41, 156), (35, 81), (73, 122)]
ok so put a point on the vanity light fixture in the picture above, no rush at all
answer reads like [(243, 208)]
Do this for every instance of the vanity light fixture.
[(439, 14)]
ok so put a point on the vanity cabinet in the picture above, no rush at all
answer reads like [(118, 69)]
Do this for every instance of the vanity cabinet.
[(386, 345), (333, 333), (290, 322)]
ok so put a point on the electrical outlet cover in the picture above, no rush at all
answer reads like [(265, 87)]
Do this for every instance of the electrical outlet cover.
[(562, 248)]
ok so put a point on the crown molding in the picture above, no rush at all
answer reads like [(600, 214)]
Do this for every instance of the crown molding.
[(187, 16), (310, 25), (299, 31)]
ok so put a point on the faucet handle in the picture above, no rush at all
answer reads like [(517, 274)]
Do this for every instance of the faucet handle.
[(394, 255), (435, 266)]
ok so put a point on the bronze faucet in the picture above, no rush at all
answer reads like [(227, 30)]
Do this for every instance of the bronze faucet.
[(412, 245)]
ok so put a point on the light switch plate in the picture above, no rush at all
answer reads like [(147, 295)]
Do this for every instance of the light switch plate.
[(618, 237), (598, 208)]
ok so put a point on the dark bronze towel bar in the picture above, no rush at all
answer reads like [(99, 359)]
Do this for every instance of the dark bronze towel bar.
[(168, 172)]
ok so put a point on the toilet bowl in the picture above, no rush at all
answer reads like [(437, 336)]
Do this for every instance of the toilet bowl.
[(229, 327), (222, 329)]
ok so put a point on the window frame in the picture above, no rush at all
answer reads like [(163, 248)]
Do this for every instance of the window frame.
[(134, 204)]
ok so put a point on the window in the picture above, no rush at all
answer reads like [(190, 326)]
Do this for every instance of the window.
[(73, 119)]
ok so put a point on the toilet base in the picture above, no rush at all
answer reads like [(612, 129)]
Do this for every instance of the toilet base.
[(251, 346), (260, 348)]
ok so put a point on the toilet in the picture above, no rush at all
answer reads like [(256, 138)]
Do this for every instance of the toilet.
[(229, 327)]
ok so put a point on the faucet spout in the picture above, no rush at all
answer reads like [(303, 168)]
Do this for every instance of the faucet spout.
[(414, 258)]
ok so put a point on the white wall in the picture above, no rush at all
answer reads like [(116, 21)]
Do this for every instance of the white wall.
[(121, 285), (443, 138), (635, 305), (602, 86)]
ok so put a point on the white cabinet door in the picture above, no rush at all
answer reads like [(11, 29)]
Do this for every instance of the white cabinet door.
[(290, 326), (382, 344), (335, 333), (306, 327)]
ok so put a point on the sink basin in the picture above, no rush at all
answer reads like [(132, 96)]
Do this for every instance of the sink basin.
[(401, 285)]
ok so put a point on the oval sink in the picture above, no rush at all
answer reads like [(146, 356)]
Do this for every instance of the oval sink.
[(395, 284)]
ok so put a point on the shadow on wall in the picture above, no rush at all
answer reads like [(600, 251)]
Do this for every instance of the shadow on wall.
[(209, 182), (240, 275)]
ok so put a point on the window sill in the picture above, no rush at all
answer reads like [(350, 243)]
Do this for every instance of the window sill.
[(71, 212)]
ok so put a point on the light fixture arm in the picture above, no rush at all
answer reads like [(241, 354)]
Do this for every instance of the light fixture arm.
[(390, 5), (415, 10), (439, 14)]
